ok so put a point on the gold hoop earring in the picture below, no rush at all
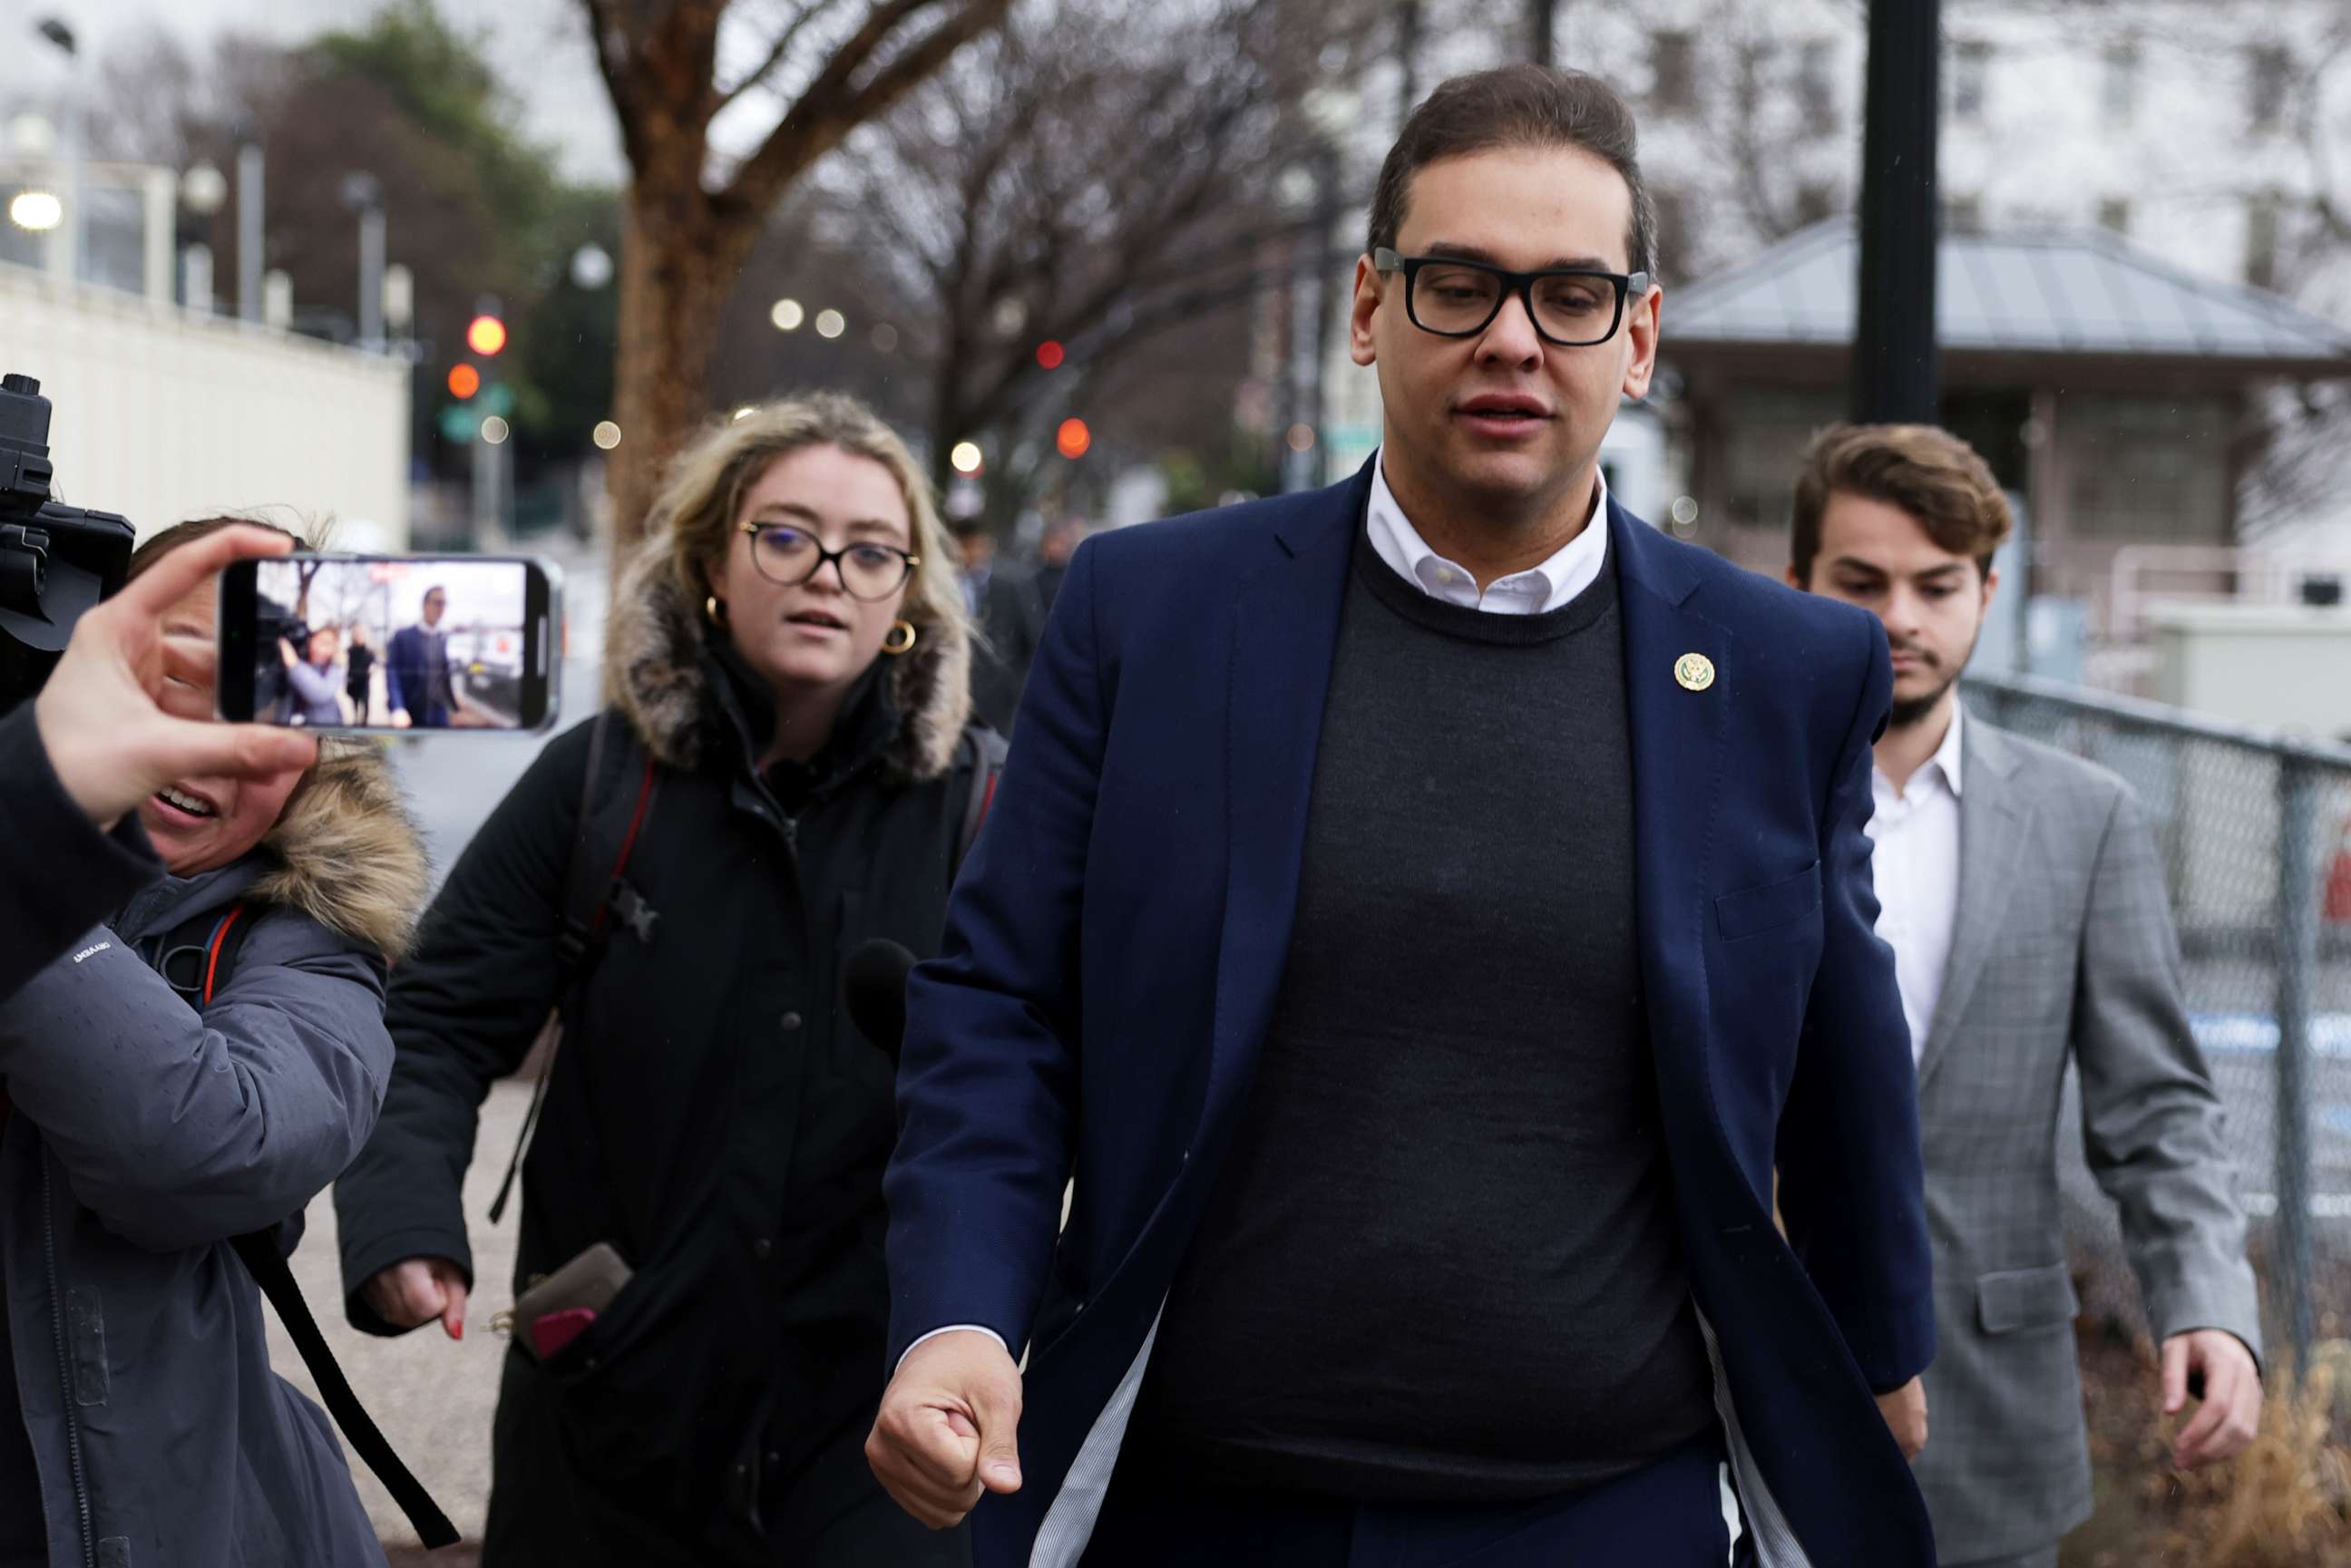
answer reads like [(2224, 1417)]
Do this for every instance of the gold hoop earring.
[(714, 611), (891, 641)]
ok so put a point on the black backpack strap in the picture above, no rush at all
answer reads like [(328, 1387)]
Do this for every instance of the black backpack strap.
[(196, 956), (593, 892), (989, 751), (208, 949), (267, 1265)]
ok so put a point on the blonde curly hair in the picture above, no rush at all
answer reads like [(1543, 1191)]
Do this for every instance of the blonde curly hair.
[(701, 494)]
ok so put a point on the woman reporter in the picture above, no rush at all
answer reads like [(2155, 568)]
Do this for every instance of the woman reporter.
[(787, 661), (195, 1070)]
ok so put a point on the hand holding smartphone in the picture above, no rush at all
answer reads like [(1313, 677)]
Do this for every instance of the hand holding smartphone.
[(364, 644)]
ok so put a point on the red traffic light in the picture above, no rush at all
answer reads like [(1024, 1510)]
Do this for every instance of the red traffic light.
[(465, 380), (1073, 439), (1050, 355), (486, 335)]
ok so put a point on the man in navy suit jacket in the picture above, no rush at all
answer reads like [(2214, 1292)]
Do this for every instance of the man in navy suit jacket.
[(1422, 915), (421, 689)]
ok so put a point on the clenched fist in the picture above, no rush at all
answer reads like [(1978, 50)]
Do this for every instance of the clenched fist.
[(949, 1427), (415, 1291)]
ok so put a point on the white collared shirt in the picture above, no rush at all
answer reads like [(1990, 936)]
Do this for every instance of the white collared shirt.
[(1531, 592), (1916, 832)]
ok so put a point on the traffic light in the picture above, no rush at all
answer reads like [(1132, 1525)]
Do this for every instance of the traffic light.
[(1050, 355), (486, 335), (482, 400), (1073, 439)]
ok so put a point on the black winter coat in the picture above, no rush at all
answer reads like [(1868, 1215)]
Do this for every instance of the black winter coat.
[(712, 1113)]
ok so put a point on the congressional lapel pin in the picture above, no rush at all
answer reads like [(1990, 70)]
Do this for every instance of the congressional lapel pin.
[(1694, 671)]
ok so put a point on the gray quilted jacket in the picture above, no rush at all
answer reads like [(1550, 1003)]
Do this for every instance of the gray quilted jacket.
[(141, 1425)]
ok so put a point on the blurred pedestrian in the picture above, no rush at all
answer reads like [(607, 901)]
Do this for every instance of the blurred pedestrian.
[(77, 761), (1053, 552), (319, 677), (1001, 599), (421, 689), (2022, 893), (1425, 913), (790, 758), (362, 661), (161, 1099)]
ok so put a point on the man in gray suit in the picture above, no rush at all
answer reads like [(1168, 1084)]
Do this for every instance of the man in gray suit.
[(2021, 894)]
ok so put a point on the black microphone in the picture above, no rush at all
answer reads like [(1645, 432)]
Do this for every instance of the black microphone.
[(874, 979)]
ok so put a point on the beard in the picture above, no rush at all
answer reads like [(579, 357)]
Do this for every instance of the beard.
[(1910, 711)]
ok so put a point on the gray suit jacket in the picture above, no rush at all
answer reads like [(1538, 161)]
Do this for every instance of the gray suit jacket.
[(2064, 949)]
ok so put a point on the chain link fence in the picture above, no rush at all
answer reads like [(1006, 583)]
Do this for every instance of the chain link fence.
[(2255, 831)]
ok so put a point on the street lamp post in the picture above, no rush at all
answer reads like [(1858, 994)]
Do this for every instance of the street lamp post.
[(1408, 37), (203, 192), (1330, 114), (77, 225), (399, 298), (364, 194), (1327, 295), (1896, 377), (249, 260)]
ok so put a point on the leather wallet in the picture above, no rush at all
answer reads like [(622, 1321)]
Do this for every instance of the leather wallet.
[(586, 1284)]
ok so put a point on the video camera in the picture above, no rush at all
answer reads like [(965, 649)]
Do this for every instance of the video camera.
[(56, 562)]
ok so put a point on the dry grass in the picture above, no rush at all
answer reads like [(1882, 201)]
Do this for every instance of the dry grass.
[(2285, 1502)]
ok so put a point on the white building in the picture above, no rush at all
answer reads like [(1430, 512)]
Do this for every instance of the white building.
[(163, 414), (165, 411)]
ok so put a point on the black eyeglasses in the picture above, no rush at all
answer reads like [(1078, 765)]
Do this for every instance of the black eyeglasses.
[(790, 556), (1572, 306)]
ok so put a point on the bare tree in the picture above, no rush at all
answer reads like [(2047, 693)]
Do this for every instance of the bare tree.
[(1085, 178), (831, 65)]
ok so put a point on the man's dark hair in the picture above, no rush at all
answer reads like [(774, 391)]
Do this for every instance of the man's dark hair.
[(1519, 106)]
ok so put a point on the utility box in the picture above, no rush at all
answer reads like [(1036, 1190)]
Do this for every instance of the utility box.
[(2275, 666)]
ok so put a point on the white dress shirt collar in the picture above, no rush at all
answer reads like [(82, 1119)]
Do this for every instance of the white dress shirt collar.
[(1945, 760), (1546, 587)]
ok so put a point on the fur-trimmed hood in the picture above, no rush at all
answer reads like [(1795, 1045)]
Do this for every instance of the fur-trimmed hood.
[(348, 853), (654, 674)]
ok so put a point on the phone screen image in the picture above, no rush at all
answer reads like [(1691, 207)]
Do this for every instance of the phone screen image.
[(415, 643)]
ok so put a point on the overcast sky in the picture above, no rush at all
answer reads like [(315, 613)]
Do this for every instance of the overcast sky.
[(538, 48)]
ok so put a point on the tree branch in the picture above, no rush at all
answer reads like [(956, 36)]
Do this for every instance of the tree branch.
[(808, 13), (830, 109), (608, 66)]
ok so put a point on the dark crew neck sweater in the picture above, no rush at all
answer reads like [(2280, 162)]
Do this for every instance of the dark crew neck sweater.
[(1440, 1261)]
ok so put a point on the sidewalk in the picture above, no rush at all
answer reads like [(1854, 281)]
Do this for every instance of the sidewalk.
[(431, 1397)]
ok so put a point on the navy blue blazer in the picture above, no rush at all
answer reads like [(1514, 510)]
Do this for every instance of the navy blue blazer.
[(1117, 934), (408, 671)]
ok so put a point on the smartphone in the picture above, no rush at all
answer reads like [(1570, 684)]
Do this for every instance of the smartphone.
[(428, 645)]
